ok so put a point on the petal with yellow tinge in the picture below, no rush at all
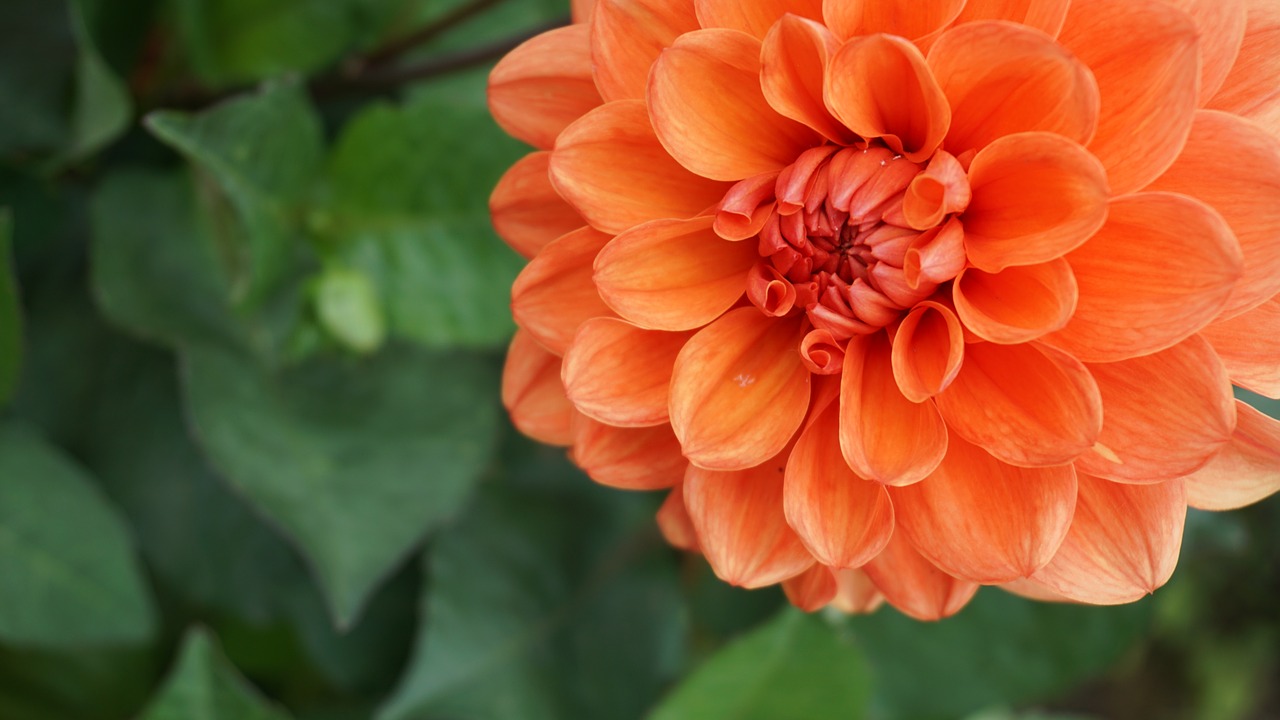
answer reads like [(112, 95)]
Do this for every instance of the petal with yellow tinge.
[(1249, 345)]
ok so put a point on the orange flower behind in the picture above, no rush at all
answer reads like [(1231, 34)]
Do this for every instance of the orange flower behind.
[(900, 299)]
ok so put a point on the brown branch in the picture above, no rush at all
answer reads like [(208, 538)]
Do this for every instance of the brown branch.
[(390, 52)]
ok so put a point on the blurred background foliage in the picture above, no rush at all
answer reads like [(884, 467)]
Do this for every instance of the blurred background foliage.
[(253, 462)]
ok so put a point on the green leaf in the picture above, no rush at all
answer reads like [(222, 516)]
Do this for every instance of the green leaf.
[(101, 109), (545, 605), (66, 566), (263, 152), (37, 67), (10, 313), (409, 191), (205, 685), (355, 460), (1000, 649), (796, 667), (235, 41), (155, 268), (204, 544), (75, 683)]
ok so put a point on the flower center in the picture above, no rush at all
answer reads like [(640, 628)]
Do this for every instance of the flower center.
[(842, 245)]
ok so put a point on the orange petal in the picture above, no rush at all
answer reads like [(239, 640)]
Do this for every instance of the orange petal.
[(916, 586), (979, 519), (906, 18), (822, 353), (646, 458), (533, 394), (673, 274), (880, 87), (626, 38), (739, 390), (543, 85), (1032, 590), (746, 207), (707, 107), (610, 166), (1160, 269), (1250, 89), (793, 63), (582, 10), (674, 522), (811, 590), (1249, 346), (1029, 405), (1123, 543), (843, 520), (885, 436), (554, 294), (1147, 63), (1003, 79), (740, 525), (527, 211), (1221, 24), (1017, 304), (927, 351), (1234, 166), (855, 593), (936, 255), (1245, 471), (1164, 415), (1035, 196), (942, 189), (619, 374), (755, 17), (1043, 15)]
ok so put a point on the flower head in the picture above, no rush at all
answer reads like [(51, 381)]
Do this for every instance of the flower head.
[(904, 298)]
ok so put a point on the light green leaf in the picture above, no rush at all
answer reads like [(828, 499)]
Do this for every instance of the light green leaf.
[(543, 606), (263, 152), (67, 571), (409, 191), (796, 667), (206, 686), (999, 649), (355, 460), (348, 306), (10, 313)]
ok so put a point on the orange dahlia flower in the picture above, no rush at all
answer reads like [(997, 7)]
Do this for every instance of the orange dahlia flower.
[(901, 298)]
